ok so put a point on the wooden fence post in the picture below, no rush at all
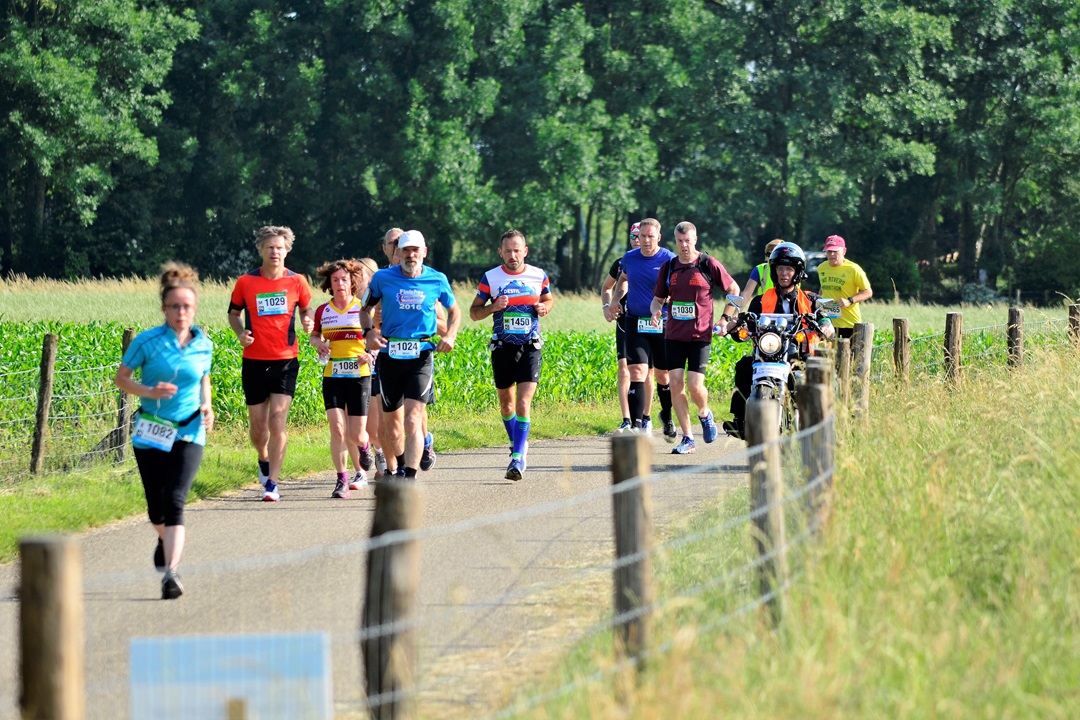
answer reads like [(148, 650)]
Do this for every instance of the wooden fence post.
[(817, 450), (387, 624), (862, 351), (843, 368), (901, 350), (631, 457), (954, 338), (819, 371), (1074, 324), (44, 402), (123, 414), (51, 633), (766, 492), (1016, 337)]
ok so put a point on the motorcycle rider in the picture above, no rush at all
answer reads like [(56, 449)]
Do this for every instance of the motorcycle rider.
[(787, 270)]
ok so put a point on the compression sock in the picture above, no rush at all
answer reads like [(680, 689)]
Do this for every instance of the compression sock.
[(664, 393), (509, 424), (635, 399), (521, 435), (264, 467)]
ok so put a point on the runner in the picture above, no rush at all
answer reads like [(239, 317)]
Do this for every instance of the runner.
[(516, 295), (617, 313), (407, 294), (269, 296), (846, 283), (346, 382), (644, 336), (685, 284), (759, 280), (174, 361), (428, 456)]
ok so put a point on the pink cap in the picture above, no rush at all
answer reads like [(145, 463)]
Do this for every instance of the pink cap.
[(835, 242), (635, 229)]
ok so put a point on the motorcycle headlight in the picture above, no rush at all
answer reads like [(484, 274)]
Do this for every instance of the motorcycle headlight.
[(769, 343)]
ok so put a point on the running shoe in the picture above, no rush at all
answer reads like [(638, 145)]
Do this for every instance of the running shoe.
[(380, 463), (170, 586), (513, 471), (624, 428), (686, 447), (341, 490), (732, 429), (670, 434), (708, 427), (399, 473), (427, 459), (646, 426), (270, 492), (365, 457), (159, 556), (359, 481), (524, 456)]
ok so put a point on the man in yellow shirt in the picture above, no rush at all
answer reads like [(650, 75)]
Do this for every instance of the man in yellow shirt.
[(845, 282)]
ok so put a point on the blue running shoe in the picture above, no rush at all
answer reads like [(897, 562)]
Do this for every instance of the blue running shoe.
[(686, 447), (708, 428), (270, 492), (427, 459), (513, 472)]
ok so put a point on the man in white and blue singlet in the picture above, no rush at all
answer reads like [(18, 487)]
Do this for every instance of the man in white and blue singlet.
[(644, 336), (516, 295), (407, 293)]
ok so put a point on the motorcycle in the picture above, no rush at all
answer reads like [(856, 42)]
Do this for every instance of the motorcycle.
[(781, 345)]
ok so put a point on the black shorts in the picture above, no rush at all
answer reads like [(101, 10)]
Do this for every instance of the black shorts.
[(620, 337), (349, 394), (690, 354), (166, 479), (513, 364), (844, 332), (644, 348), (402, 380), (263, 378)]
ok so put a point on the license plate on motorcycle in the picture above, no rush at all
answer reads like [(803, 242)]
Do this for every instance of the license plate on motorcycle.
[(775, 370)]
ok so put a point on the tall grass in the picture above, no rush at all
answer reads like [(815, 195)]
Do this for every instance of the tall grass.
[(945, 586)]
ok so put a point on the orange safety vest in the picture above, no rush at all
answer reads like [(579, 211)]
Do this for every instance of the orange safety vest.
[(803, 305)]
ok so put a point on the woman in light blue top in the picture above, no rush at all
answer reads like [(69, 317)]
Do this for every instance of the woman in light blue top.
[(173, 361)]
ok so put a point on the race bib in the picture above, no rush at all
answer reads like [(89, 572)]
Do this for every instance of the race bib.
[(271, 303), (345, 368), (157, 433), (517, 323), (683, 310), (403, 349), (647, 326)]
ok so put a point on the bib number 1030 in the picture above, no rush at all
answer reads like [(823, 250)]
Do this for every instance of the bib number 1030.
[(156, 432)]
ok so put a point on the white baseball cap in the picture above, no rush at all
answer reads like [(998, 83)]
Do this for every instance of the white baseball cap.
[(411, 238)]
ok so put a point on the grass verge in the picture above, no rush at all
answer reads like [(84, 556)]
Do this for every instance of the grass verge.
[(75, 501), (946, 584)]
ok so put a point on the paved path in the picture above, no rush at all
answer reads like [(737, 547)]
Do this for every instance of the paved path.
[(496, 596)]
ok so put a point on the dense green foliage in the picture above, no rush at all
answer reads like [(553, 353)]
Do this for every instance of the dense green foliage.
[(134, 130)]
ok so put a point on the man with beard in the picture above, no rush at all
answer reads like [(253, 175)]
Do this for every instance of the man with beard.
[(407, 294), (516, 295)]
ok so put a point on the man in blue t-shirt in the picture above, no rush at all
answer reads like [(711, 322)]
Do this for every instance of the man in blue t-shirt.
[(408, 293), (644, 336)]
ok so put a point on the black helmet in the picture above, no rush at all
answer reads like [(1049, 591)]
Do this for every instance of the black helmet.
[(788, 253)]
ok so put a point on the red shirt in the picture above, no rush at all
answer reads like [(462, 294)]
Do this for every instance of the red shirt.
[(270, 312), (690, 314)]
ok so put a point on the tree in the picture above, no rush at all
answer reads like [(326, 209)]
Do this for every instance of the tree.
[(80, 81)]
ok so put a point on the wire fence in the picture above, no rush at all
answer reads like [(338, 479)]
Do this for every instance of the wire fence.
[(981, 348), (83, 418), (529, 586)]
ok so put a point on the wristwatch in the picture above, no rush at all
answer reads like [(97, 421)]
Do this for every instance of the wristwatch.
[(606, 305)]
